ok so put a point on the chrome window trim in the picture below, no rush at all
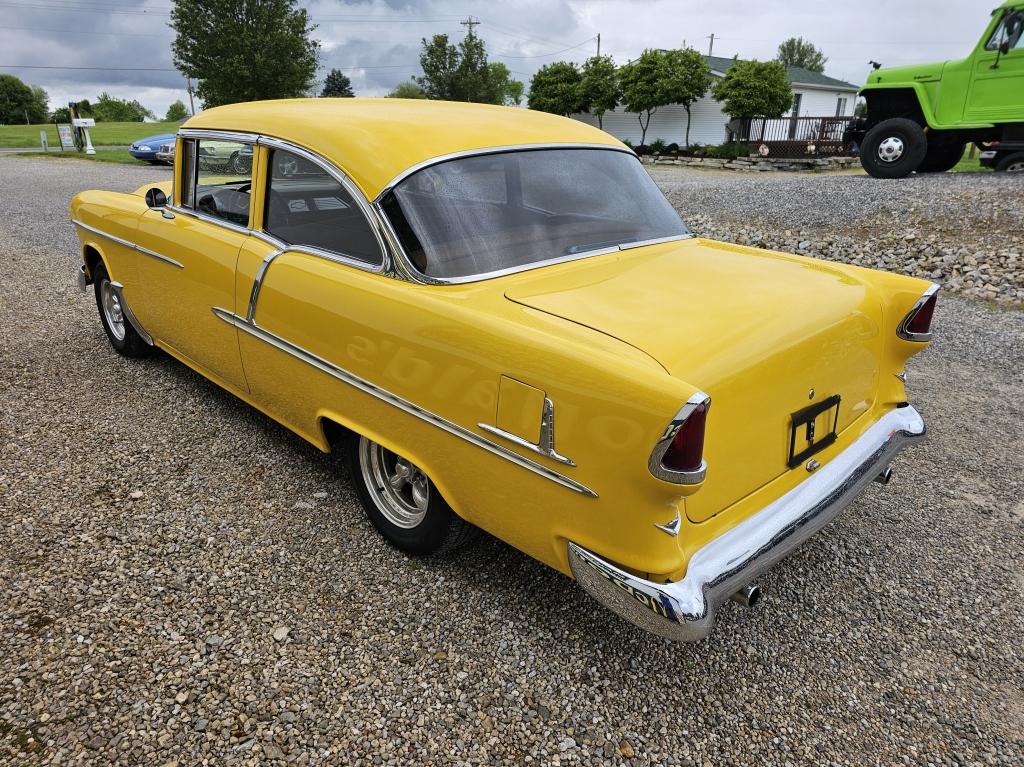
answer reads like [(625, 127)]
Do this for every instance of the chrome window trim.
[(211, 219), (415, 275), (129, 245), (545, 445), (902, 331), (219, 135), (250, 327), (661, 447)]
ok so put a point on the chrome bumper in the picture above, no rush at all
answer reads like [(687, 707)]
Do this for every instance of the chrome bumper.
[(686, 610), (80, 279)]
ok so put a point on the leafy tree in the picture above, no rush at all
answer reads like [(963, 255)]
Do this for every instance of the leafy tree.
[(176, 112), (462, 73), (754, 89), (599, 87), (687, 77), (110, 109), (407, 91), (797, 52), (20, 103), (557, 88), (244, 50), (643, 89), (60, 115), (337, 85)]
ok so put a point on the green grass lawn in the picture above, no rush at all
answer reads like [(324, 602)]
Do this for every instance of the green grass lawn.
[(104, 134), (119, 156), (967, 165)]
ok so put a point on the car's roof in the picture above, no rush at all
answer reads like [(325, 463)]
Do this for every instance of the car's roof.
[(375, 140), (156, 136)]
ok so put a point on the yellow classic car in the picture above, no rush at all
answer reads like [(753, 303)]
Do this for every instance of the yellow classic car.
[(506, 325)]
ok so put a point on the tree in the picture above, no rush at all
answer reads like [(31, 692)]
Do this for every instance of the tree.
[(337, 85), (244, 50), (407, 91), (642, 87), (556, 88), (754, 89), (110, 109), (797, 52), (599, 86), (176, 112), (462, 73), (20, 103), (687, 78)]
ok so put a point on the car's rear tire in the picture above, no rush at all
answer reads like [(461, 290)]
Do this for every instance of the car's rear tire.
[(122, 336), (940, 158), (894, 148), (402, 503), (1012, 163)]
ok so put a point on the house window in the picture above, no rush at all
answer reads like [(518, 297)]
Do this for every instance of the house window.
[(841, 106)]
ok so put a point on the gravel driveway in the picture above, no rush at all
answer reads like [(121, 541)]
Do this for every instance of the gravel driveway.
[(185, 582)]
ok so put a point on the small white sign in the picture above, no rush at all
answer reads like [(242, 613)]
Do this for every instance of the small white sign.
[(84, 122), (44, 140)]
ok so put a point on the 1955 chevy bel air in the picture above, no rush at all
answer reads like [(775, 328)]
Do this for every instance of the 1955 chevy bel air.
[(508, 327)]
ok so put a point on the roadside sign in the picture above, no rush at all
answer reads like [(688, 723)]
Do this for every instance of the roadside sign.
[(66, 139), (84, 122), (44, 140)]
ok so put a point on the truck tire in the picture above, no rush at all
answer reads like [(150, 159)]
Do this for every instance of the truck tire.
[(894, 148), (1012, 163), (940, 158)]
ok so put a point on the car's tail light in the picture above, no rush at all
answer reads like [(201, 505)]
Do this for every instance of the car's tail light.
[(679, 455), (917, 325)]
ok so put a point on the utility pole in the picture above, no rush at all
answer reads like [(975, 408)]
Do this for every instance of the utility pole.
[(469, 23), (598, 43), (711, 45), (191, 103)]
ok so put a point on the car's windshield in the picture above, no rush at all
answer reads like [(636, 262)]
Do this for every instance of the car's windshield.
[(487, 213)]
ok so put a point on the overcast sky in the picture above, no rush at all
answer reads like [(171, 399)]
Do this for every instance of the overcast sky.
[(377, 43)]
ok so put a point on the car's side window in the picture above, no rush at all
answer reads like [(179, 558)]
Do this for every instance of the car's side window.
[(218, 179), (307, 206)]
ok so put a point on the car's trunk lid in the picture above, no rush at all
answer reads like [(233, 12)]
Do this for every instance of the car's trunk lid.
[(765, 335)]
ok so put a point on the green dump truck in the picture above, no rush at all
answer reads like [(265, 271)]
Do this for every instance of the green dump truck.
[(920, 118)]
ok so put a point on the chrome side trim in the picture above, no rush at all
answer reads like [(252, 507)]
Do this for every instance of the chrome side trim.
[(902, 331), (686, 610), (129, 315), (129, 245), (257, 283), (661, 447), (402, 404), (655, 241), (490, 150), (545, 445), (210, 219)]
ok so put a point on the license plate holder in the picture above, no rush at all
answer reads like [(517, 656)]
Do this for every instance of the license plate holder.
[(804, 427)]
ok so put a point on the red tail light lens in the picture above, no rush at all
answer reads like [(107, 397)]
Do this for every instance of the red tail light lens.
[(921, 322), (686, 451)]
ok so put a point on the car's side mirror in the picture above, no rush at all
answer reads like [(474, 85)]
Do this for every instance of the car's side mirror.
[(1004, 47), (155, 198)]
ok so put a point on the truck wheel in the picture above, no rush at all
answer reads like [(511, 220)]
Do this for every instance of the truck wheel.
[(940, 158), (402, 503), (1012, 163), (894, 148)]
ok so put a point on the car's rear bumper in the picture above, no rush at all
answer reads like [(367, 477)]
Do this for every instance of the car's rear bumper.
[(686, 610)]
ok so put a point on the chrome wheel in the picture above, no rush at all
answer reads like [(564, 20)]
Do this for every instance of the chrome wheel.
[(1015, 167), (398, 488), (891, 149), (112, 310)]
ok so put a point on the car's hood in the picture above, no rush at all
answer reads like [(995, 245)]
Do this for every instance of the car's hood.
[(917, 73), (683, 302)]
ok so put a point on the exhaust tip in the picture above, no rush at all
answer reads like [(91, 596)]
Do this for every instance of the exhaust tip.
[(885, 477), (748, 596)]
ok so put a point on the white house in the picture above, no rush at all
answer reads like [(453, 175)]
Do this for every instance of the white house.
[(814, 95)]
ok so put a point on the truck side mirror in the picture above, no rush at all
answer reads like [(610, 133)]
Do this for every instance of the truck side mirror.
[(1004, 47), (155, 198)]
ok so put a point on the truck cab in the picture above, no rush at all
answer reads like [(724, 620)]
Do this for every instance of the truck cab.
[(919, 118)]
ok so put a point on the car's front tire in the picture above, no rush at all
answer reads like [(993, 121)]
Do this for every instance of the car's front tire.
[(894, 148), (122, 336), (402, 503), (1012, 163)]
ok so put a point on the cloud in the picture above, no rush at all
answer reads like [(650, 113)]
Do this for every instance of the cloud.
[(377, 43)]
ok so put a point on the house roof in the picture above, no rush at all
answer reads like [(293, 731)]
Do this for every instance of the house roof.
[(797, 75), (373, 140)]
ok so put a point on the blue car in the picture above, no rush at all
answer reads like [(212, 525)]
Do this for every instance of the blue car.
[(146, 148)]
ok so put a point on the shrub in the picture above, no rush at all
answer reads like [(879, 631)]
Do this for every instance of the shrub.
[(658, 146)]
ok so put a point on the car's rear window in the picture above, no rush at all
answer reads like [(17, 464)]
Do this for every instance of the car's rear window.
[(489, 213)]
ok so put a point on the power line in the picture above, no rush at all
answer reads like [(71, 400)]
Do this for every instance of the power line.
[(543, 55)]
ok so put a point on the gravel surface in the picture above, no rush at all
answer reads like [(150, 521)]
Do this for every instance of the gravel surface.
[(962, 230), (186, 583)]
